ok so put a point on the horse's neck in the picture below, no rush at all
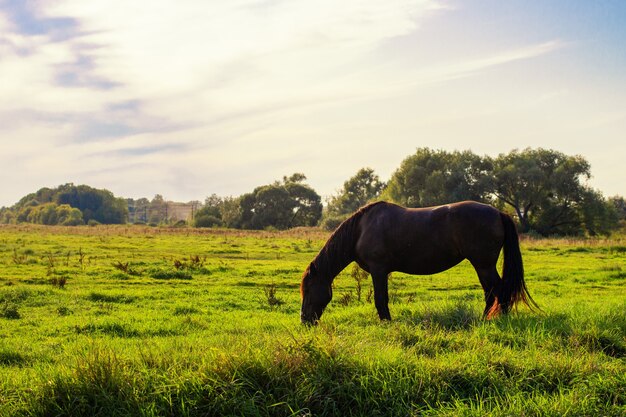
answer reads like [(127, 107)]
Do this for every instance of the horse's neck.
[(339, 251), (333, 258)]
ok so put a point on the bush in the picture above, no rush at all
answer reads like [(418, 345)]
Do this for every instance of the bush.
[(207, 220), (73, 222)]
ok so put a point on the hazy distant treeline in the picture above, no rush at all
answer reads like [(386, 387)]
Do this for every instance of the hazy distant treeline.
[(68, 205), (544, 189)]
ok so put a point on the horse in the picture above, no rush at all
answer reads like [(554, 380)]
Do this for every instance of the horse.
[(383, 237)]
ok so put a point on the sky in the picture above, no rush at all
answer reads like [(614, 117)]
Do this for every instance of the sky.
[(188, 98)]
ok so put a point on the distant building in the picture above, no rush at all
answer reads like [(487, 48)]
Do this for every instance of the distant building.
[(157, 212)]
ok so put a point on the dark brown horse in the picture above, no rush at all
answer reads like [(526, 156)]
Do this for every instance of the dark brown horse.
[(383, 238)]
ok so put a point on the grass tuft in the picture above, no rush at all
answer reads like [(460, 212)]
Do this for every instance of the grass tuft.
[(170, 274), (11, 358), (10, 310)]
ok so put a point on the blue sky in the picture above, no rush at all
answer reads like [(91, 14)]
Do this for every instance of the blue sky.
[(192, 97)]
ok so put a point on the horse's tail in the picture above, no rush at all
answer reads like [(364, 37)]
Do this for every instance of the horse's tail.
[(512, 289)]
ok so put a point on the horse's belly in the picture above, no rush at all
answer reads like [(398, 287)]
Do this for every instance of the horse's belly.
[(426, 266)]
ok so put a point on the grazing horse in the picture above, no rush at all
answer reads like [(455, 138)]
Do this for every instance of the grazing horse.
[(383, 237)]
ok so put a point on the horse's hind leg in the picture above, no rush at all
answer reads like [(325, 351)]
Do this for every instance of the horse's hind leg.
[(489, 279)]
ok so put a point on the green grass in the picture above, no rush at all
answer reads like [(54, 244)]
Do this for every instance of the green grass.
[(160, 322)]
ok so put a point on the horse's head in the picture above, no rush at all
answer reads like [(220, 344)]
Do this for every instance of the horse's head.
[(316, 293)]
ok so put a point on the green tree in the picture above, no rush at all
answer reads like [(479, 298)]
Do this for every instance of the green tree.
[(157, 210), (619, 203), (24, 212), (69, 216), (138, 210), (47, 214), (93, 204), (357, 191), (41, 196), (598, 216), (98, 205), (544, 188), (53, 214), (307, 204), (365, 186), (273, 207), (281, 205), (210, 214), (7, 215), (231, 212), (429, 178)]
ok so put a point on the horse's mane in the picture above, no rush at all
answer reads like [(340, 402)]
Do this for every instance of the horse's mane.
[(338, 251)]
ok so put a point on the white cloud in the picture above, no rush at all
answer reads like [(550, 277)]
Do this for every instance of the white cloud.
[(220, 57)]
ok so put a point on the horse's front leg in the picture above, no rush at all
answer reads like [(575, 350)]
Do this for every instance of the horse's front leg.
[(381, 294)]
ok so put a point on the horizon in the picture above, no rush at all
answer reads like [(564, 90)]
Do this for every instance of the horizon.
[(207, 98)]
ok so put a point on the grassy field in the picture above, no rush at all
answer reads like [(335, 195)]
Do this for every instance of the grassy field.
[(113, 321)]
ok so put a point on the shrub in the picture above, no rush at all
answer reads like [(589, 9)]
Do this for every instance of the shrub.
[(59, 281), (270, 291), (207, 221)]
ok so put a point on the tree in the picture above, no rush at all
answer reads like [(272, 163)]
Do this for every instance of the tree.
[(53, 214), (273, 207), (357, 191), (209, 215), (619, 203), (307, 204), (362, 188), (46, 214), (41, 196), (157, 211), (543, 187), (598, 216), (46, 205), (430, 178), (7, 215), (231, 212), (295, 178), (99, 205), (138, 210), (281, 205), (69, 216)]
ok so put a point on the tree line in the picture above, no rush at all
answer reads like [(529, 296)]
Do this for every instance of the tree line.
[(545, 190)]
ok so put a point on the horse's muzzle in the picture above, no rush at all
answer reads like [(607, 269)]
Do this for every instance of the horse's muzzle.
[(308, 319)]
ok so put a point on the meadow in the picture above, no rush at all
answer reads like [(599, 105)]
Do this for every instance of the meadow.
[(132, 320)]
